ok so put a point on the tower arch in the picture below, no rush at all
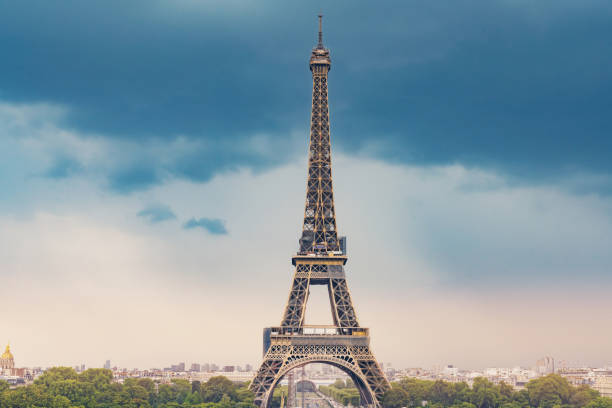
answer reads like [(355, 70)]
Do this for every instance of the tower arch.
[(368, 398)]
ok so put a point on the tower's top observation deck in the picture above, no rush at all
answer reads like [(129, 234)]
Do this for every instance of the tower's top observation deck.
[(320, 54)]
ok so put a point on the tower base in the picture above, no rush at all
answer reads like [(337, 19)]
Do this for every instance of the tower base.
[(345, 348)]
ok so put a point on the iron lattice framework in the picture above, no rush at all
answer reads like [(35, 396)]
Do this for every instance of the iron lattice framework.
[(319, 230), (319, 261)]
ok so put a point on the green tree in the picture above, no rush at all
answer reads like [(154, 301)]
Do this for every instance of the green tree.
[(512, 404), (214, 389), (196, 386), (183, 389), (3, 386), (521, 398), (193, 399), (443, 393), (463, 394), (484, 393), (463, 405), (166, 394), (56, 374), (100, 377), (600, 402), (396, 397), (245, 395), (133, 396), (418, 390), (582, 395), (549, 391), (506, 392)]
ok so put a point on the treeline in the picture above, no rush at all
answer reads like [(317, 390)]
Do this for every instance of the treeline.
[(345, 396), (62, 387), (551, 391), (342, 391)]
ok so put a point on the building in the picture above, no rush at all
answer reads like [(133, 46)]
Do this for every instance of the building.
[(195, 367), (450, 370), (177, 368), (545, 365), (7, 361), (107, 365), (603, 384), (577, 376)]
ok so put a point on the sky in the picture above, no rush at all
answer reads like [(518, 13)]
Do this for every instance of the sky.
[(153, 173)]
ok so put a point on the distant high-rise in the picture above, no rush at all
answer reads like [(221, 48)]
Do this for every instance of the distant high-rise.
[(180, 367), (195, 367), (107, 365), (545, 365)]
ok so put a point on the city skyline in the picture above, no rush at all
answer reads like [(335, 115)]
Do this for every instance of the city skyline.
[(151, 198), (221, 366)]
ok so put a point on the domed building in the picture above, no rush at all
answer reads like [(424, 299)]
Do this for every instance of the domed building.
[(7, 362)]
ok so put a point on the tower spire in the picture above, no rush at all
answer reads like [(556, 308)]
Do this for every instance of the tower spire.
[(319, 233), (320, 45)]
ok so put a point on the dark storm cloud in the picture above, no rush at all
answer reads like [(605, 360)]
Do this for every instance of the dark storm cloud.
[(518, 86), (134, 178), (143, 169), (213, 226)]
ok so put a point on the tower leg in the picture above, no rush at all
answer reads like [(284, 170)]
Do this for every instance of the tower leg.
[(341, 298), (296, 305)]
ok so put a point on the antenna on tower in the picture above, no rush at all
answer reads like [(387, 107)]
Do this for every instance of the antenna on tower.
[(320, 45)]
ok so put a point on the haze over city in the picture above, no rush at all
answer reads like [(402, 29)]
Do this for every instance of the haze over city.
[(153, 169)]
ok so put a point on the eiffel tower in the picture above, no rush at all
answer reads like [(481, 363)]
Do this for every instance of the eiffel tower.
[(320, 261)]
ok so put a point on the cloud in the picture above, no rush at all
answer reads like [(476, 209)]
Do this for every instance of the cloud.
[(157, 213), (63, 167), (35, 141), (133, 178), (214, 226), (498, 84)]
